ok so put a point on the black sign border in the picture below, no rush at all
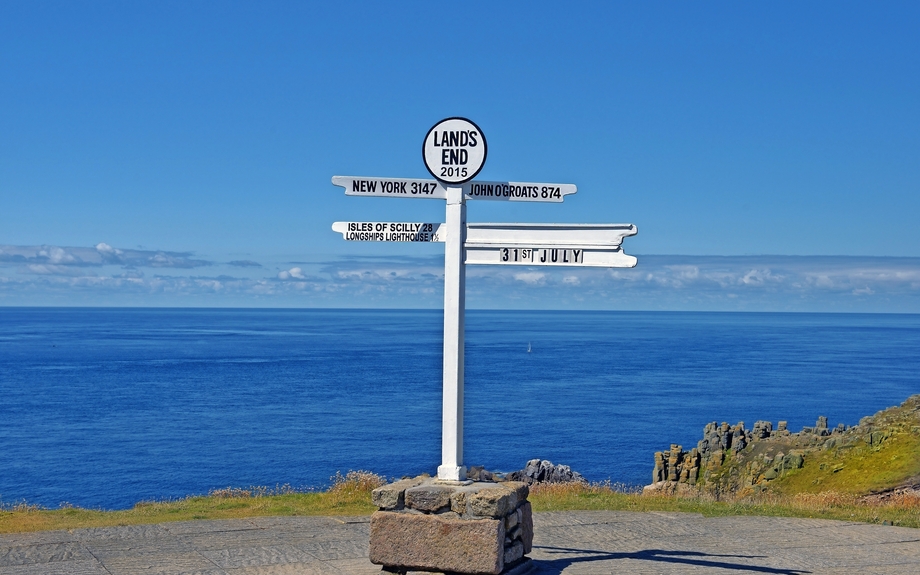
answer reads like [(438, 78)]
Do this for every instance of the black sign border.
[(485, 154)]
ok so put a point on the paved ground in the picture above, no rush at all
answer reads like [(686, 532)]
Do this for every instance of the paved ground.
[(583, 542)]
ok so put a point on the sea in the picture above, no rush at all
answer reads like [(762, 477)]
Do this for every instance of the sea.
[(107, 407)]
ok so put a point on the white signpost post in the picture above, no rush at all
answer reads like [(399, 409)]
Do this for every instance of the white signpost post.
[(454, 151)]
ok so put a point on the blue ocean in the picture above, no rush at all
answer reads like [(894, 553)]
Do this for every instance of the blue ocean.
[(108, 407)]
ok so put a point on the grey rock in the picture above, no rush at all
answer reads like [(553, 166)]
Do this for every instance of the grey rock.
[(428, 497), (543, 471), (513, 553), (793, 461), (497, 501), (511, 521), (392, 496), (478, 473), (762, 429)]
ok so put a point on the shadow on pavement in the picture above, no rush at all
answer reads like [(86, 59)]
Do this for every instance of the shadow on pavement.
[(696, 558)]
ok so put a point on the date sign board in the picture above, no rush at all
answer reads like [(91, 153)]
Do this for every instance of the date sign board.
[(588, 245)]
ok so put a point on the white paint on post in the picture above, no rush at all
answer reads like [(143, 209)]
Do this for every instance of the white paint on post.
[(452, 468)]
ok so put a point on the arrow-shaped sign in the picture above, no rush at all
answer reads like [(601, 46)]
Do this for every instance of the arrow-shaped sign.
[(590, 245), (432, 189), (391, 231)]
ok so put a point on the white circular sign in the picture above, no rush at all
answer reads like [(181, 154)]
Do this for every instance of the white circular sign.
[(454, 150)]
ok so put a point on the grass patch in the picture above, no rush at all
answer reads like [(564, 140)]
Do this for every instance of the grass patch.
[(859, 469), (350, 495), (903, 511)]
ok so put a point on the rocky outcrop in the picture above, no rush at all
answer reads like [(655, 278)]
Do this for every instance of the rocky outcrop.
[(543, 471), (881, 455), (712, 466)]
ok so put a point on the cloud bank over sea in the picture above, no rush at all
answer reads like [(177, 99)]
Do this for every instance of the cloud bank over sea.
[(104, 275)]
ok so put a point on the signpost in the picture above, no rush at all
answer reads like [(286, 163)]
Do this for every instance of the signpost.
[(454, 151)]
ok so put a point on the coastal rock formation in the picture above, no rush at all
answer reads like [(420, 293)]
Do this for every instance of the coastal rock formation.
[(735, 460), (777, 451), (543, 471)]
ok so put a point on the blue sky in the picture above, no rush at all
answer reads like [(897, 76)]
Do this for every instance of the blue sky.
[(180, 153)]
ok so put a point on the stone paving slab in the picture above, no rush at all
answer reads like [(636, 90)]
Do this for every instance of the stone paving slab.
[(570, 543)]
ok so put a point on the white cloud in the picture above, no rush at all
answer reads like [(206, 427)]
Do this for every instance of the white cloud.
[(56, 255), (759, 277), (52, 269), (530, 277), (28, 274), (101, 254), (293, 273)]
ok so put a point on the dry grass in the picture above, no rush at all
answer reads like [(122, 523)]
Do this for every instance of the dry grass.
[(903, 510), (350, 495)]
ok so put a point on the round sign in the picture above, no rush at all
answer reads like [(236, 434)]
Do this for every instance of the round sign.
[(454, 150)]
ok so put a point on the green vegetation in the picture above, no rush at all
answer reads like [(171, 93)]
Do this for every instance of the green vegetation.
[(349, 495), (903, 510), (883, 456)]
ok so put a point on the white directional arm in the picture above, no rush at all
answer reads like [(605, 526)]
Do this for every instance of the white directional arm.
[(589, 245)]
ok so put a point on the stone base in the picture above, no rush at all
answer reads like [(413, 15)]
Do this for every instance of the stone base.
[(522, 567), (425, 525)]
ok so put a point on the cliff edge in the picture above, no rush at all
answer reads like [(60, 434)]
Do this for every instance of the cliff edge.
[(879, 455)]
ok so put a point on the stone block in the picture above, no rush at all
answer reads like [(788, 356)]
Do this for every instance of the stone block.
[(458, 501), (521, 490), (511, 521), (515, 552), (392, 496), (514, 532), (494, 501), (526, 526), (428, 497), (429, 542)]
